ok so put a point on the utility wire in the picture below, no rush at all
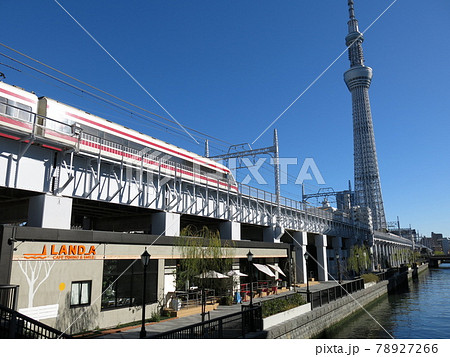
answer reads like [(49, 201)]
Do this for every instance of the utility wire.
[(107, 93), (127, 110), (124, 69)]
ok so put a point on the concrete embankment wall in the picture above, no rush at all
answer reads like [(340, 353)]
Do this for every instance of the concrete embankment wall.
[(316, 321)]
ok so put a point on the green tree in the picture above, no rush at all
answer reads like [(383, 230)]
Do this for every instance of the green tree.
[(359, 258), (201, 251)]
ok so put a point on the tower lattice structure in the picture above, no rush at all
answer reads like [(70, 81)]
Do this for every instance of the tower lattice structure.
[(358, 79)]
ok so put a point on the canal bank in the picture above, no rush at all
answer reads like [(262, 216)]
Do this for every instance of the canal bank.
[(416, 310), (313, 323)]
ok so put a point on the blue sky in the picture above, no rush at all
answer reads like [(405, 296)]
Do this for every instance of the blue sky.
[(229, 68)]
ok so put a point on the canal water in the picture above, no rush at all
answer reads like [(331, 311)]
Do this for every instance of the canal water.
[(419, 310)]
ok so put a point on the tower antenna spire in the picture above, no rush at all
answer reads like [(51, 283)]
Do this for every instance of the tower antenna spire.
[(358, 79), (351, 9)]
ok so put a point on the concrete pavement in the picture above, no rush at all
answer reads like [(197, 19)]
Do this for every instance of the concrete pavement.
[(175, 323)]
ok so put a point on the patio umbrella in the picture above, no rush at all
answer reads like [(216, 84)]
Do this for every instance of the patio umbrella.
[(236, 273), (277, 268), (265, 269), (211, 274)]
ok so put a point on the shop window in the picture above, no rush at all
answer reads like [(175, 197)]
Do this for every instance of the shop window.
[(123, 283), (81, 293)]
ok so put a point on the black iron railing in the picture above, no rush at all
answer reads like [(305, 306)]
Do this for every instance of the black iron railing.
[(230, 326), (325, 296), (386, 275), (8, 296), (16, 325)]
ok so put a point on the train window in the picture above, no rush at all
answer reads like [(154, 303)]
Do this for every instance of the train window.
[(3, 105), (15, 109), (24, 112)]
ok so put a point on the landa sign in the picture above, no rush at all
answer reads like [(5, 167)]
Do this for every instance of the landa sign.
[(64, 252)]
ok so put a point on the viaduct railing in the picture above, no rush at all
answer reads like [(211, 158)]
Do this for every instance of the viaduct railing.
[(40, 124)]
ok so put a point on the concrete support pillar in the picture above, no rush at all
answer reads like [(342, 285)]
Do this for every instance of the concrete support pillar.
[(391, 254), (371, 265), (376, 256), (166, 223), (273, 234), (320, 241), (300, 242), (230, 230), (48, 211), (395, 255), (385, 255)]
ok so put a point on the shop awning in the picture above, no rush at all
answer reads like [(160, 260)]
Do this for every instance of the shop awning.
[(236, 273), (277, 268), (211, 274), (265, 269)]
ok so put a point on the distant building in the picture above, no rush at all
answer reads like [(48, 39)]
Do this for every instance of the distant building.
[(436, 242), (445, 245)]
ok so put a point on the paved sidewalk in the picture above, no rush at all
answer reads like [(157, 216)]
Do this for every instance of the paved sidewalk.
[(175, 323)]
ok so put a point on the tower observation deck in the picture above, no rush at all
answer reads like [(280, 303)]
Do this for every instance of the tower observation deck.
[(358, 79)]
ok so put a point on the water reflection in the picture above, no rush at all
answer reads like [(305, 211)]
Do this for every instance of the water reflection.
[(419, 310)]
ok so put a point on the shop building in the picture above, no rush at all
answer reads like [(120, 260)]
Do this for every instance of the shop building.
[(79, 280)]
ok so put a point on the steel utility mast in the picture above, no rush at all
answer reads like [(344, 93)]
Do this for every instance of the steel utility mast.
[(358, 79), (252, 153)]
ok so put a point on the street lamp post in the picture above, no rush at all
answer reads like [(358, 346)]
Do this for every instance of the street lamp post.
[(145, 258), (307, 279), (249, 259), (339, 268)]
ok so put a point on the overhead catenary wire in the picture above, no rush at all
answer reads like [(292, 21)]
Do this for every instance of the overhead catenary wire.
[(143, 118), (199, 134), (107, 93), (124, 69)]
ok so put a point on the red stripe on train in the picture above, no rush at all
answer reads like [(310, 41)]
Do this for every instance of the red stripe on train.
[(151, 162), (15, 122), (17, 96), (142, 140)]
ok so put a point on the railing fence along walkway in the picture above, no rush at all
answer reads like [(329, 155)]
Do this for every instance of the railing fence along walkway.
[(9, 295), (325, 296), (235, 325), (16, 325)]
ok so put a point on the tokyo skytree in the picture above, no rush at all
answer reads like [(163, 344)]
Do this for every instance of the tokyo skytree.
[(358, 79)]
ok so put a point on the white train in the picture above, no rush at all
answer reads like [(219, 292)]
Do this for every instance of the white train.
[(62, 126)]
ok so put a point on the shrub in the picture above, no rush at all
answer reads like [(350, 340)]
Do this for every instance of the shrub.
[(368, 278), (156, 317), (274, 306), (226, 300)]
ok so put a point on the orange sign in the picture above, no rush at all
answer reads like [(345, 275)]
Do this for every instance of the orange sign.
[(64, 252)]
